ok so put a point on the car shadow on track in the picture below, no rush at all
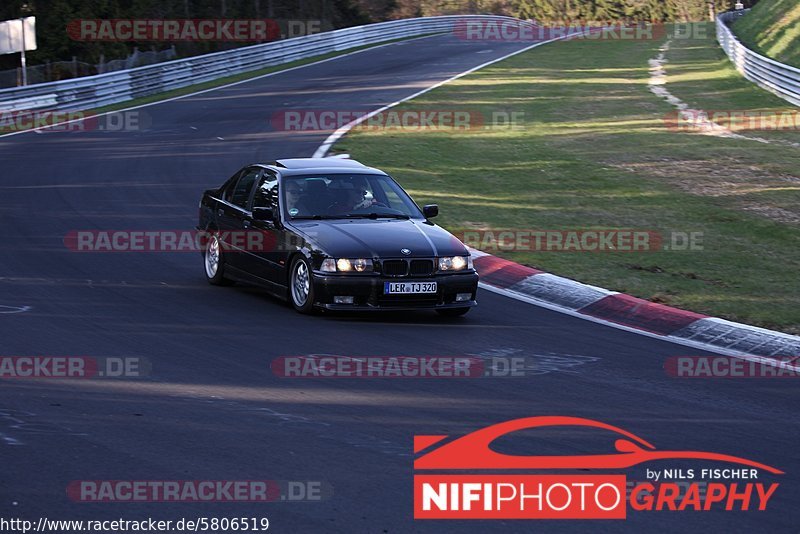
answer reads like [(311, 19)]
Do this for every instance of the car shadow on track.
[(378, 316)]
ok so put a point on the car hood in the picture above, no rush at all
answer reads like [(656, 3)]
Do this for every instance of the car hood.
[(380, 238)]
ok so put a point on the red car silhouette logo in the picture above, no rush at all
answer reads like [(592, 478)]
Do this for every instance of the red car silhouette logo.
[(473, 450)]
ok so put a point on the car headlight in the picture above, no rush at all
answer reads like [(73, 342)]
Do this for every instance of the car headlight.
[(455, 263), (362, 265), (346, 265)]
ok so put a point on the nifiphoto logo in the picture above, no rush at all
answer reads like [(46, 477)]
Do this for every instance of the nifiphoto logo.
[(443, 490)]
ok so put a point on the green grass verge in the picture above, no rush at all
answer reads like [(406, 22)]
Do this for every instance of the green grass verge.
[(593, 151), (772, 28)]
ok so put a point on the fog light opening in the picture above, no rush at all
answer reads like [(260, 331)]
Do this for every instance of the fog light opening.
[(462, 297), (341, 299)]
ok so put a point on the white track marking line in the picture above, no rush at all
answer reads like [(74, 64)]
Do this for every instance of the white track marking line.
[(657, 85), (341, 132), (232, 84), (14, 309)]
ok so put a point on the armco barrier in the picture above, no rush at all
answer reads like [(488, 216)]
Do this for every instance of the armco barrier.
[(781, 79), (120, 86)]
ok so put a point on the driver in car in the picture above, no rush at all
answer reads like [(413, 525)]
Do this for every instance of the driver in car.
[(294, 200), (352, 196)]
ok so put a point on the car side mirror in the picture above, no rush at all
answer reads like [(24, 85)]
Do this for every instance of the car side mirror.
[(430, 210), (263, 214)]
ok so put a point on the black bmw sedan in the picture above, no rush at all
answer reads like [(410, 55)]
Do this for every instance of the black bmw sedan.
[(333, 234)]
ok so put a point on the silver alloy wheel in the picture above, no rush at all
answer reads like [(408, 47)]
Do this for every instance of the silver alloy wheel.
[(212, 257), (300, 283)]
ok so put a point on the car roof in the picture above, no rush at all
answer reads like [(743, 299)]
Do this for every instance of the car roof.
[(295, 166)]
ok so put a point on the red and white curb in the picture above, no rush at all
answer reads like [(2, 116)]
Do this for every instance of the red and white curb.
[(634, 314)]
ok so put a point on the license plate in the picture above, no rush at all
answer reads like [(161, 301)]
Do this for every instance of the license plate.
[(408, 288)]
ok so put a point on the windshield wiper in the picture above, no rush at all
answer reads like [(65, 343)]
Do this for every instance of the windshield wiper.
[(374, 215)]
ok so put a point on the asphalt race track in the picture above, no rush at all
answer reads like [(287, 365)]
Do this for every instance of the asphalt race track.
[(213, 410)]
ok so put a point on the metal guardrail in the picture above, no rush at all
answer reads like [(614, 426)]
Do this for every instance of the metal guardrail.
[(781, 79), (103, 89)]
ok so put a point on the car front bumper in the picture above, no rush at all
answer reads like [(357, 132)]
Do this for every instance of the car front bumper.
[(368, 292)]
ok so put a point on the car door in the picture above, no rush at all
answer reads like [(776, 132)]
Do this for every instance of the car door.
[(264, 260), (233, 217)]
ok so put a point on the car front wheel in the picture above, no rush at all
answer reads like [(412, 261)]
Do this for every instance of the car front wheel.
[(301, 286)]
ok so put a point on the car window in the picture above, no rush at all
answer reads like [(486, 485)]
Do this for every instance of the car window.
[(240, 195), (266, 195), (304, 197), (227, 189), (389, 197), (345, 195)]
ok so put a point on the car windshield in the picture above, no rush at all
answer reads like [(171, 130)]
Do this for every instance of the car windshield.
[(342, 196)]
